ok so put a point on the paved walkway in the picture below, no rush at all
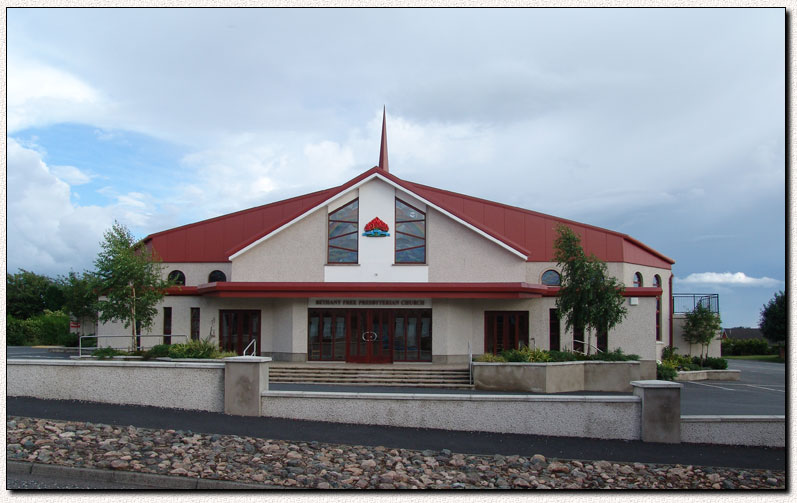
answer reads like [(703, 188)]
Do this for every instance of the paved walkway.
[(404, 438)]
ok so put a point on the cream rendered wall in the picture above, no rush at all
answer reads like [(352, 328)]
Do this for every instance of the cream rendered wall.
[(297, 253), (196, 273), (457, 254), (684, 348), (457, 321), (289, 327)]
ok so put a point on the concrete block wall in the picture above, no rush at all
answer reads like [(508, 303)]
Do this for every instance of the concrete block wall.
[(176, 385)]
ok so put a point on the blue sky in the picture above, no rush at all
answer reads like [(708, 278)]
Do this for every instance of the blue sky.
[(665, 124)]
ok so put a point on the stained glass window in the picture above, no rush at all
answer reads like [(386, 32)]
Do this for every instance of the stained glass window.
[(410, 234), (342, 234)]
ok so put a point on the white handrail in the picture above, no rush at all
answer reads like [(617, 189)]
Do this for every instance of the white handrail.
[(597, 349), (254, 349), (470, 364)]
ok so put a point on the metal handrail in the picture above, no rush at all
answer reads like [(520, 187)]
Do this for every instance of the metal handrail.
[(138, 348), (587, 344), (254, 349)]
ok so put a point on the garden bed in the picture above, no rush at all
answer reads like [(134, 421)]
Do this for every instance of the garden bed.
[(562, 377), (708, 375)]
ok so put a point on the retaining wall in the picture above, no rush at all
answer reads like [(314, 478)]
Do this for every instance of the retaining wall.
[(561, 377), (177, 385), (766, 431), (610, 417), (704, 375)]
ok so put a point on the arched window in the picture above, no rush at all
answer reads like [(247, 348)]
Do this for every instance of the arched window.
[(177, 277), (637, 279), (216, 276), (342, 234), (551, 278), (657, 281)]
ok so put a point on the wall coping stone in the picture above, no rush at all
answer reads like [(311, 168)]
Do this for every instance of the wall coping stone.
[(733, 419), (247, 359), (451, 397), (116, 363), (542, 364), (656, 384)]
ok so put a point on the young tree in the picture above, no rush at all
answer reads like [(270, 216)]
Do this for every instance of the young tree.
[(129, 279), (589, 299), (773, 319), (701, 327)]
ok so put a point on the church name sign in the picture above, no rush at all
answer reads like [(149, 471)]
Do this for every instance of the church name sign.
[(365, 303)]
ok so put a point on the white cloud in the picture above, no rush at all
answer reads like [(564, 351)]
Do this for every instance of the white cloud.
[(39, 94), (728, 279), (47, 232), (71, 175)]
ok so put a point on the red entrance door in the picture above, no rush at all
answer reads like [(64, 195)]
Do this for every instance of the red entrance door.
[(369, 337)]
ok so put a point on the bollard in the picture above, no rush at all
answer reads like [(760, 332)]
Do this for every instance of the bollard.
[(245, 379), (661, 410)]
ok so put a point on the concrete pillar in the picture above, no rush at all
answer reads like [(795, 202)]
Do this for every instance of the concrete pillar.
[(245, 378), (661, 410)]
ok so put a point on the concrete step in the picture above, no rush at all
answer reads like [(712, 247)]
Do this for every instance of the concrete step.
[(370, 375)]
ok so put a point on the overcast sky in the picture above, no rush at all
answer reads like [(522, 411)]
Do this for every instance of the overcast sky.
[(665, 124)]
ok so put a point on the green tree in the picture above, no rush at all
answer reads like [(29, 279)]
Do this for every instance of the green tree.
[(129, 279), (80, 294), (589, 299), (28, 294), (701, 327), (773, 319)]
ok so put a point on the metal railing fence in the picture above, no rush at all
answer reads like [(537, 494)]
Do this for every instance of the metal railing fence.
[(687, 302)]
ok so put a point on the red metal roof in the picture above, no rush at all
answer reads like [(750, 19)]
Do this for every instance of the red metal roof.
[(528, 232)]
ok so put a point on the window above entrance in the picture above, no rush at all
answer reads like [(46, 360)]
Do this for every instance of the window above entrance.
[(342, 234), (410, 234)]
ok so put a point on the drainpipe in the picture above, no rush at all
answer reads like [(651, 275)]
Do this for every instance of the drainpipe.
[(671, 308)]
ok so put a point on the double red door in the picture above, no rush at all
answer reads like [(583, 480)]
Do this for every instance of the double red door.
[(369, 338)]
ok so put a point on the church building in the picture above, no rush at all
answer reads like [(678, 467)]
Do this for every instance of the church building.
[(385, 270)]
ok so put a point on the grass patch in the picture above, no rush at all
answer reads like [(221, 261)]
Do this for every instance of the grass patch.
[(758, 358)]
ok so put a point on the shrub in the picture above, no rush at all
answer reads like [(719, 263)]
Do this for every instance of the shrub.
[(48, 327), (614, 356), (739, 347), (514, 355), (18, 333), (565, 356), (108, 352), (668, 352), (489, 357), (158, 351), (538, 355), (194, 349), (716, 363), (69, 340), (665, 371)]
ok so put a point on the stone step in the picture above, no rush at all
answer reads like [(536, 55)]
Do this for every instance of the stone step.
[(367, 378), (446, 385), (369, 373)]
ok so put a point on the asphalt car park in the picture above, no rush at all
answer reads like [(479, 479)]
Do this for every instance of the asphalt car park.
[(760, 390)]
